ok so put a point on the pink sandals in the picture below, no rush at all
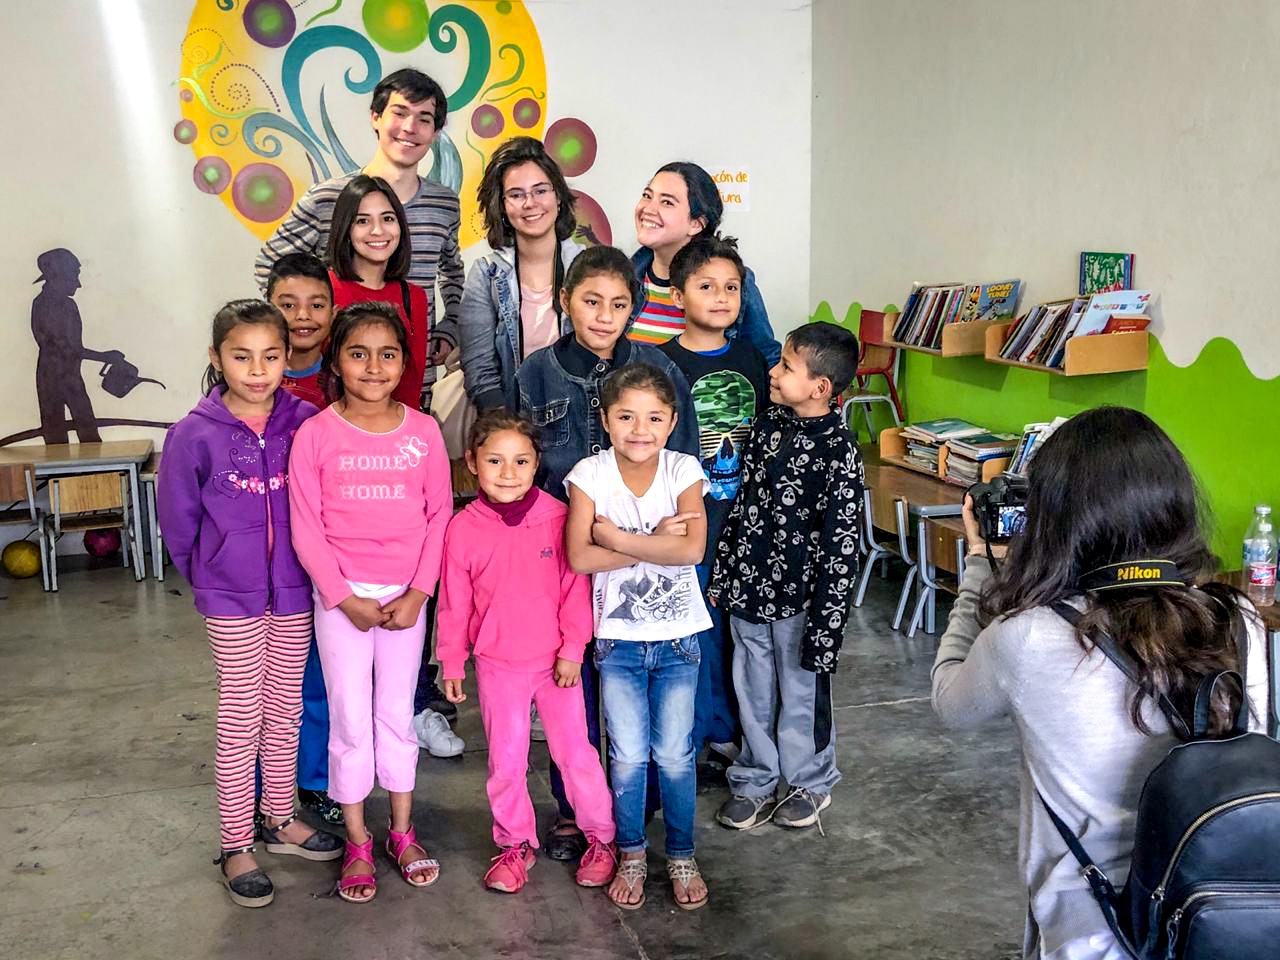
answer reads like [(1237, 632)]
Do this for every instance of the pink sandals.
[(358, 853), (397, 843)]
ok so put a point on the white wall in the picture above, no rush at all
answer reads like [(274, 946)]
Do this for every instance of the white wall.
[(93, 165), (992, 138)]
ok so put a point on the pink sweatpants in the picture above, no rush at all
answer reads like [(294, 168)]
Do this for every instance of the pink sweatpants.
[(370, 678), (505, 696), (259, 662)]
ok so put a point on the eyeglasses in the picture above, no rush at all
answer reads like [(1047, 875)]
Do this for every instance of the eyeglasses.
[(539, 193)]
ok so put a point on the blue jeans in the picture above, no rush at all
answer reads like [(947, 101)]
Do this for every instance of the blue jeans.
[(649, 689)]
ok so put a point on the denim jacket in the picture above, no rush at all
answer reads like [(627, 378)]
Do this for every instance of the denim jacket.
[(489, 326), (753, 320), (566, 408)]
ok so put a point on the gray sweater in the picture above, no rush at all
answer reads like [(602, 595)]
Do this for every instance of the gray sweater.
[(1079, 747)]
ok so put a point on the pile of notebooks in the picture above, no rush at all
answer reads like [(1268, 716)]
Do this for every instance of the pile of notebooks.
[(966, 456), (924, 440)]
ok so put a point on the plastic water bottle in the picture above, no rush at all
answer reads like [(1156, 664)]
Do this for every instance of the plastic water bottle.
[(1260, 558)]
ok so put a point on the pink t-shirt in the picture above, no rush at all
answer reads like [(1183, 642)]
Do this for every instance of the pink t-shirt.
[(369, 507), (538, 319)]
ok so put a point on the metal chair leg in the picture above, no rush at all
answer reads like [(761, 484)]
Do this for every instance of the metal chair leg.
[(904, 596), (865, 576), (924, 593)]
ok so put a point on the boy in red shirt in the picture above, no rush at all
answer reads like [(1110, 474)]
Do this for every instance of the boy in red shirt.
[(299, 286)]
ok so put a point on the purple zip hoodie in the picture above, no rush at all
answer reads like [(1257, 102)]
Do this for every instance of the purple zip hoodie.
[(211, 500)]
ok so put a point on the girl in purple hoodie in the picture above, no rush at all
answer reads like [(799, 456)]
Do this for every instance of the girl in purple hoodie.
[(223, 506)]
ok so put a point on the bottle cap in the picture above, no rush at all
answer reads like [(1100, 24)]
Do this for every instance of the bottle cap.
[(1262, 508)]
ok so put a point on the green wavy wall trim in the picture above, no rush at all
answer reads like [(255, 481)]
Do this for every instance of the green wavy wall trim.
[(1222, 417)]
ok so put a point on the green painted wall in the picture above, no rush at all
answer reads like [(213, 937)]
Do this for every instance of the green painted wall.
[(1222, 417)]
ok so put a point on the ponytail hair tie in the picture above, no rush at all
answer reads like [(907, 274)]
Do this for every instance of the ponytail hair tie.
[(1132, 573)]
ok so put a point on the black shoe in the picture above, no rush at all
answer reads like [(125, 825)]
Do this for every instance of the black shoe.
[(321, 845), (711, 776), (322, 805), (743, 813), (436, 701), (800, 808), (564, 846), (252, 889)]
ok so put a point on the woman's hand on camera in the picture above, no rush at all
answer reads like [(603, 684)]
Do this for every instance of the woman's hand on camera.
[(977, 546)]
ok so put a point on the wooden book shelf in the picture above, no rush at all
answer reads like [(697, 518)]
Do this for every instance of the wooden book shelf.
[(958, 340), (1097, 353)]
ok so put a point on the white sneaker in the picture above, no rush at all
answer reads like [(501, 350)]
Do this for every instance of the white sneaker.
[(435, 736), (535, 726)]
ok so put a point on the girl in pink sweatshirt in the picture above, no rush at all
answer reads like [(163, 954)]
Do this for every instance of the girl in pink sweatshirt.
[(370, 499), (508, 596)]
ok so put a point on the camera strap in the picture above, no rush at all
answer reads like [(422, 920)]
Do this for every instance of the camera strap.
[(1132, 573)]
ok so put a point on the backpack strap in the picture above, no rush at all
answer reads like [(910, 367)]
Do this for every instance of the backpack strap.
[(1099, 885), (1204, 694), (1127, 666)]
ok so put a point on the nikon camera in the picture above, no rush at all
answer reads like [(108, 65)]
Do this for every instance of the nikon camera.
[(1000, 507)]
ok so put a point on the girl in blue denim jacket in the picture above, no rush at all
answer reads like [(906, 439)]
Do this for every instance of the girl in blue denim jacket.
[(559, 386), (559, 389), (679, 204)]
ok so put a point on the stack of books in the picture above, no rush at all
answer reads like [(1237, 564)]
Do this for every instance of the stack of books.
[(924, 440), (966, 456), (1040, 335), (932, 306), (1033, 437)]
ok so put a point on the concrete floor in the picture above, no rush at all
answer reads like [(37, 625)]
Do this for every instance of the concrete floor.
[(106, 783)]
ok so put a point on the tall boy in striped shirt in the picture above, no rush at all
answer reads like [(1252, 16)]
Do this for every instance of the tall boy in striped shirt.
[(407, 112)]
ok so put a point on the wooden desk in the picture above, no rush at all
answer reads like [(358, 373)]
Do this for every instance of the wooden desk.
[(68, 459)]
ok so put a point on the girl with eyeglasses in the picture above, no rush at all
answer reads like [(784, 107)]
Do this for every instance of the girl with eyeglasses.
[(511, 303)]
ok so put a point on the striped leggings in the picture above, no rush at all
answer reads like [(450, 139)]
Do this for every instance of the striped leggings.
[(259, 661)]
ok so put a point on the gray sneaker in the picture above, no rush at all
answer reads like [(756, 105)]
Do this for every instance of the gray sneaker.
[(800, 808), (743, 813)]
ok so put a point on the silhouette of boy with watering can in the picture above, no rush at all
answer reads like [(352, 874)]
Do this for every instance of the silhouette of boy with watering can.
[(56, 325)]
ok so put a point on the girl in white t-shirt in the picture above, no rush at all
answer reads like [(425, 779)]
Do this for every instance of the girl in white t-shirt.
[(636, 523)]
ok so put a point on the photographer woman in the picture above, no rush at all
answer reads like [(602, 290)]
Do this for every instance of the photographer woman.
[(1109, 486)]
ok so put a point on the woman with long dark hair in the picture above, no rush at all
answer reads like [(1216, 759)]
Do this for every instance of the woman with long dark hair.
[(681, 203), (1108, 487)]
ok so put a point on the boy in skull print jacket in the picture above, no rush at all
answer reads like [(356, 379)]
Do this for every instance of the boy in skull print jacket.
[(784, 571)]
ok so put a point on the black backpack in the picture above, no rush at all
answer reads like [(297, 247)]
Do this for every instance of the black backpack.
[(1204, 881)]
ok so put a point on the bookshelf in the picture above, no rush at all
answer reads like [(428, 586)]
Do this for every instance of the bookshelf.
[(1085, 356), (959, 339)]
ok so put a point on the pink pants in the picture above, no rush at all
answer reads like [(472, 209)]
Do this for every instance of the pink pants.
[(370, 678), (259, 662), (505, 696)]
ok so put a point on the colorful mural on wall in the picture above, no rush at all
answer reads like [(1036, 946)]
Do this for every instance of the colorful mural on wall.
[(268, 90)]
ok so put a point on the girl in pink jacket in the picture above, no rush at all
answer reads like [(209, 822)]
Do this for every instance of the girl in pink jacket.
[(508, 596)]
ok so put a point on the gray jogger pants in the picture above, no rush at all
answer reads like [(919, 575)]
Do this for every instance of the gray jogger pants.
[(787, 724)]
